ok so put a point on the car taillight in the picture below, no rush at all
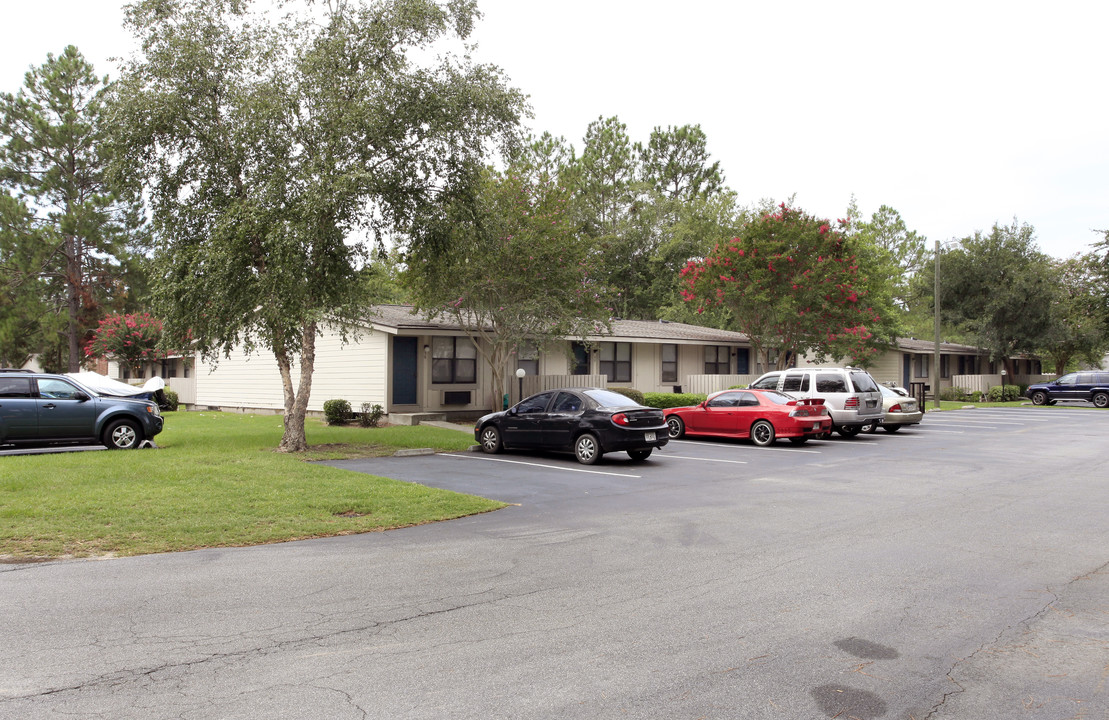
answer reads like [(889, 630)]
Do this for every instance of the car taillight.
[(852, 402), (620, 419), (896, 408)]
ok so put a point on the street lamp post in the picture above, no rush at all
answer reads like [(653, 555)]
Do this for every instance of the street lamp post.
[(936, 363), (520, 373)]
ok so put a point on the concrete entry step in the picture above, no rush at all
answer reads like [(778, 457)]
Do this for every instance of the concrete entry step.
[(414, 418)]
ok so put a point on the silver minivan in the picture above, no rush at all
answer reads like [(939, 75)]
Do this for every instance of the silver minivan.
[(850, 394)]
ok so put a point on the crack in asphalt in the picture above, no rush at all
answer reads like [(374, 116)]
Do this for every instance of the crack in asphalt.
[(1055, 596), (139, 675)]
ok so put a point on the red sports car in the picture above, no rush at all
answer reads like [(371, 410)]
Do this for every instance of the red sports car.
[(762, 415)]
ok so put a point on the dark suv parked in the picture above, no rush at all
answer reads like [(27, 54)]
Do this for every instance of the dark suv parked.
[(44, 409), (1087, 386)]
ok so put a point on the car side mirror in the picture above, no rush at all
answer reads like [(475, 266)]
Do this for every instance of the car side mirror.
[(512, 410), (80, 397)]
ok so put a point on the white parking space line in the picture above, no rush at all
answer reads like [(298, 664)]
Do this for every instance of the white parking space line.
[(990, 421), (933, 429), (698, 459), (741, 447), (542, 465)]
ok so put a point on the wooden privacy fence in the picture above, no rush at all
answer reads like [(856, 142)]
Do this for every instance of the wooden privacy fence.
[(705, 384), (983, 383), (185, 389)]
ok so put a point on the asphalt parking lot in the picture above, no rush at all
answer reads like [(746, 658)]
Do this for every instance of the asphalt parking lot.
[(957, 570)]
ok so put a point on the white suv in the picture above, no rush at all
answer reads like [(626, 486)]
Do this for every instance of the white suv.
[(850, 394)]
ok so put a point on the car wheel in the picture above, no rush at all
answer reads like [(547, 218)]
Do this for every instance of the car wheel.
[(762, 433), (1101, 400), (122, 435), (1039, 398), (870, 427), (640, 454), (799, 440), (586, 449), (491, 439), (891, 428), (677, 427), (849, 431)]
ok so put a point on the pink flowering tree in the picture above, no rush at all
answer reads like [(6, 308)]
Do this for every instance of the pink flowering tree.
[(793, 284), (130, 340)]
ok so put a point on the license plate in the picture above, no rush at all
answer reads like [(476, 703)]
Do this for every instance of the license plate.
[(816, 426), (649, 437)]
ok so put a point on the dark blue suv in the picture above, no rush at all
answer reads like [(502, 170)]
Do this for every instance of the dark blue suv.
[(1090, 386), (44, 409)]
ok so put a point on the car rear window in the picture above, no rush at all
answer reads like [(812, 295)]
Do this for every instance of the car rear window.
[(607, 398), (863, 382), (776, 397)]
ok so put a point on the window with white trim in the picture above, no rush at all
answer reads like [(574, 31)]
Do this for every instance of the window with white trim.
[(453, 360), (616, 361)]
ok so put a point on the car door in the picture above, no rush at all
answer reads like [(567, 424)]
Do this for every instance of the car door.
[(556, 427), (747, 411), (18, 410), (521, 425), (1063, 388), (65, 412), (721, 413)]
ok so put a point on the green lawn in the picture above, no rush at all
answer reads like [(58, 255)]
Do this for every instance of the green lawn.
[(216, 480)]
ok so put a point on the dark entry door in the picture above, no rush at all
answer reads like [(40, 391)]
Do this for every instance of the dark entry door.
[(404, 371)]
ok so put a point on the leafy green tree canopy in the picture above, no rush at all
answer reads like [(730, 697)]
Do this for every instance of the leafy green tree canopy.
[(997, 287), (52, 135), (268, 138), (508, 267)]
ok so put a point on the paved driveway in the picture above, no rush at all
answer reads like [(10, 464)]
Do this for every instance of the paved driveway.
[(956, 570)]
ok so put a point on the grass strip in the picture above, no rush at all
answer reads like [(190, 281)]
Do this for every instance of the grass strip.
[(216, 481)]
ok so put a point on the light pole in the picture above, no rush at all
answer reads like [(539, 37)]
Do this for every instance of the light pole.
[(936, 305), (520, 373)]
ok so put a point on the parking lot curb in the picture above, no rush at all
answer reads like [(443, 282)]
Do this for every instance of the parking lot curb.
[(414, 451)]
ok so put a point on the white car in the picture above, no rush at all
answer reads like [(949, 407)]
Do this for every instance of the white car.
[(850, 394)]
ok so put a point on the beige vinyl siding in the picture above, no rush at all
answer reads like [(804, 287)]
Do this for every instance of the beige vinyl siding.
[(887, 368), (354, 372)]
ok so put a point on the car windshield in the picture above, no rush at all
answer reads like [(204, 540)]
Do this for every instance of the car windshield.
[(863, 382), (776, 397), (607, 398), (889, 392)]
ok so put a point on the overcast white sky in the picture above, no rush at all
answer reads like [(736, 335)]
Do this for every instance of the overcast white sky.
[(957, 114)]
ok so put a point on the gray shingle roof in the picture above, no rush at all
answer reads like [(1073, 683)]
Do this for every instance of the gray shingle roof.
[(402, 317)]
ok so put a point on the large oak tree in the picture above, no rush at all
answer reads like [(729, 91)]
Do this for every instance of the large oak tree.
[(271, 140)]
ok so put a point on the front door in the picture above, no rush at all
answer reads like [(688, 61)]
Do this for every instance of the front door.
[(405, 371), (907, 383)]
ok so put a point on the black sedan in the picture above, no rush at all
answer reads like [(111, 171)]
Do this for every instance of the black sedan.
[(586, 421)]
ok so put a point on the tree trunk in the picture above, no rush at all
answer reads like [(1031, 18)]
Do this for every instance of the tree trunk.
[(296, 400), (73, 303)]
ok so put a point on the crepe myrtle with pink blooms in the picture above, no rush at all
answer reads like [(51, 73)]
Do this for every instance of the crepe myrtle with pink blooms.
[(131, 340), (793, 284)]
